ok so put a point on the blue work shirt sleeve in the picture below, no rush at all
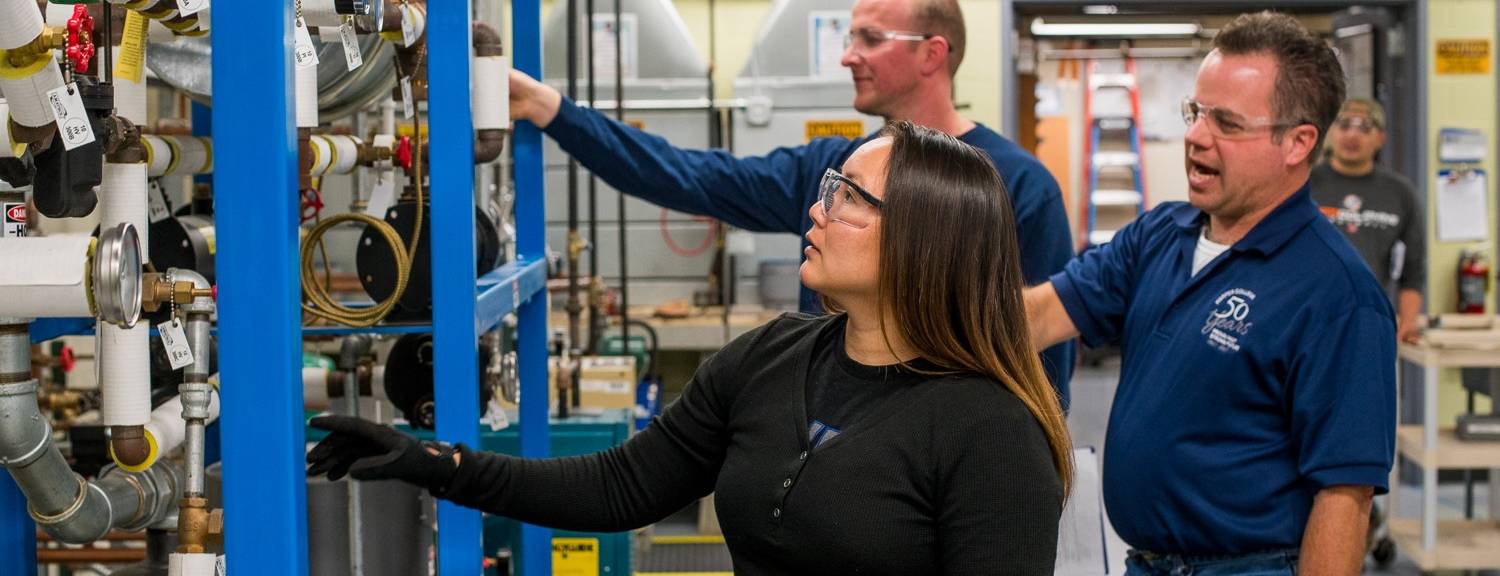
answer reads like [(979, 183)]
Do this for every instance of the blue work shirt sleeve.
[(1343, 395), (1041, 226), (1095, 287), (761, 193)]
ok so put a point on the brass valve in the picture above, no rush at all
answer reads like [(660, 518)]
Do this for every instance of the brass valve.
[(158, 291), (51, 38)]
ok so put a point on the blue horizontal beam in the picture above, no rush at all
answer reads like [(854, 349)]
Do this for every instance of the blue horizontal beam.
[(506, 288), (44, 329)]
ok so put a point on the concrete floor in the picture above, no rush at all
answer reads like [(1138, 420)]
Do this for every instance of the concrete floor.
[(1093, 391)]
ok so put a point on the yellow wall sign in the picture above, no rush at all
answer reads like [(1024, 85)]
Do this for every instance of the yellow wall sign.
[(575, 557), (1463, 56), (850, 129)]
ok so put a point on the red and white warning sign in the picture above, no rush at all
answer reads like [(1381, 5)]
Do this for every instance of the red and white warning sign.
[(13, 224)]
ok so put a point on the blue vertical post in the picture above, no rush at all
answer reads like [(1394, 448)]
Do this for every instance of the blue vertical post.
[(260, 320), (17, 531), (455, 336), (531, 244)]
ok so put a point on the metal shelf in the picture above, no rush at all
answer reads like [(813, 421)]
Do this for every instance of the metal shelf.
[(1451, 453)]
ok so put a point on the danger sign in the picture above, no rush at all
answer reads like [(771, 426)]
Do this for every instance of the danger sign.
[(13, 224)]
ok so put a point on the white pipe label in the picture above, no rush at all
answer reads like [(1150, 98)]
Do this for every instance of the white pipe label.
[(174, 340), (352, 57), (303, 54), (156, 203), (190, 7), (408, 106), (408, 26), (72, 119), (382, 195)]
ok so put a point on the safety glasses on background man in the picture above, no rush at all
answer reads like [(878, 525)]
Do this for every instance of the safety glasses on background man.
[(1364, 125), (845, 202), (864, 38)]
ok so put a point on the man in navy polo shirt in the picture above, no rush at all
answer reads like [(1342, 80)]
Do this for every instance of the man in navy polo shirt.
[(902, 56), (1255, 416)]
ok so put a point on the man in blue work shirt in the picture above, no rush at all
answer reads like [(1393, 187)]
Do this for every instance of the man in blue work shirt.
[(1255, 415), (902, 55)]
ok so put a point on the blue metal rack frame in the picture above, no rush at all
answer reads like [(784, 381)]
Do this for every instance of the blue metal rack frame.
[(259, 310)]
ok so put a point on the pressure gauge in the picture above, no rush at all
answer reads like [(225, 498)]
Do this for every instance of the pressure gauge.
[(117, 275)]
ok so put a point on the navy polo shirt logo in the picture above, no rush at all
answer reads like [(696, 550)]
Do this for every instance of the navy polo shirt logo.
[(1226, 322)]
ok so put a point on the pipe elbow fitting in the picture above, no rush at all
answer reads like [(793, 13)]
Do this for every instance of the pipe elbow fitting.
[(131, 447), (22, 441)]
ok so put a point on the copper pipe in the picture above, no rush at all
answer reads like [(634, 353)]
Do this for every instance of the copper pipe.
[(90, 555)]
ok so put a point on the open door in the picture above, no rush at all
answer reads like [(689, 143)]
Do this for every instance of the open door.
[(1371, 46)]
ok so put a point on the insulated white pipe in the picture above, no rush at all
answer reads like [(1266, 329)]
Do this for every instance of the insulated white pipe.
[(125, 374), (307, 97), (124, 354), (8, 146), (184, 564), (45, 277), (168, 429), (334, 154), (26, 89), (491, 96), (20, 23), (123, 199), (130, 97), (177, 155)]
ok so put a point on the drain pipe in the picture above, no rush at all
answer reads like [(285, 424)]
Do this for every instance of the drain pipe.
[(61, 502)]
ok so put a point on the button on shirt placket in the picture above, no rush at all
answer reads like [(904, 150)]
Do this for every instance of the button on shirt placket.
[(786, 486)]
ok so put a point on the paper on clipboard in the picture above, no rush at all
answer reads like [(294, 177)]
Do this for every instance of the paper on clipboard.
[(1462, 208)]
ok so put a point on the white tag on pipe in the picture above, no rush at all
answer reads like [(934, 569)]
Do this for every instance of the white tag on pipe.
[(382, 195), (219, 565), (190, 7), (352, 57), (156, 203), (72, 120), (303, 53), (408, 106), (495, 413), (174, 340), (408, 26)]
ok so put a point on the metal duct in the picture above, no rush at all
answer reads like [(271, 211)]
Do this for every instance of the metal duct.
[(184, 63)]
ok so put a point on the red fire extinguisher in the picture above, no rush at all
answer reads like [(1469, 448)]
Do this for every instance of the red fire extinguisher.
[(1473, 281)]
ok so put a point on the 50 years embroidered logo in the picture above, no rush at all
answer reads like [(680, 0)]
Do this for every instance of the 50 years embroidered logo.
[(1227, 322)]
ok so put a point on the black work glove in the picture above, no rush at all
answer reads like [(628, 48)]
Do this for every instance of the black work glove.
[(368, 451)]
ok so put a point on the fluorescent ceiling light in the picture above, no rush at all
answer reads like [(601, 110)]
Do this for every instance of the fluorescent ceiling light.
[(1114, 29), (1098, 9)]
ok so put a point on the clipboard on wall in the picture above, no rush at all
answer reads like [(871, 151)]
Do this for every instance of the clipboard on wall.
[(1462, 206)]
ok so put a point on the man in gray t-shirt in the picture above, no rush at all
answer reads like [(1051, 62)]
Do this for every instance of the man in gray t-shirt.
[(1376, 208)]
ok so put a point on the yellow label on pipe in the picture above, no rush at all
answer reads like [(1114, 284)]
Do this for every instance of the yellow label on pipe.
[(575, 557), (132, 47)]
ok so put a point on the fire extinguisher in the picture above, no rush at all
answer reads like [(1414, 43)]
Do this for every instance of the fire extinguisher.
[(1473, 281)]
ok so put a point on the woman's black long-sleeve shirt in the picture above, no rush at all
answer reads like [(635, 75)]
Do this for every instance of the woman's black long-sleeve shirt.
[(951, 475)]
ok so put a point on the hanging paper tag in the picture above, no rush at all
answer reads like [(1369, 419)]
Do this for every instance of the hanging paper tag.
[(382, 195), (219, 565), (352, 57), (132, 47), (304, 53), (495, 414), (408, 105), (156, 203), (408, 26), (174, 340), (190, 7), (72, 120)]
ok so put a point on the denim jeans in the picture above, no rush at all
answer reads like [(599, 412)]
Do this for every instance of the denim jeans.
[(1280, 563)]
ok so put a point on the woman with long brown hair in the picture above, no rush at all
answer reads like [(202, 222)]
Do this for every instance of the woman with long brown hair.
[(911, 431)]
